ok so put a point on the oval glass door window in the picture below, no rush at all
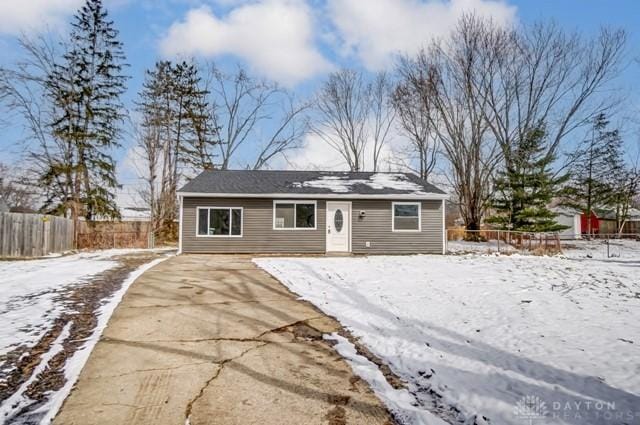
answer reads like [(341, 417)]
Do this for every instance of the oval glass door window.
[(338, 220)]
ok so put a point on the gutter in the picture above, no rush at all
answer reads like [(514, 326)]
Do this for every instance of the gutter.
[(394, 196)]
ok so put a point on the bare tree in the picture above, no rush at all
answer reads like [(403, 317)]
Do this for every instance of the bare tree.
[(448, 74), (343, 106), (148, 164), (26, 95), (244, 106), (383, 114), (541, 73), (417, 118), (15, 190), (355, 115)]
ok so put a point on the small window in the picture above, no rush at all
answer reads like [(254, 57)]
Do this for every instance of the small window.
[(218, 221), (406, 217), (294, 215), (338, 221)]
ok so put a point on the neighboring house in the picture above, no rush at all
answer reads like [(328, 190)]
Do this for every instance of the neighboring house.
[(607, 222), (311, 212), (135, 214), (127, 214)]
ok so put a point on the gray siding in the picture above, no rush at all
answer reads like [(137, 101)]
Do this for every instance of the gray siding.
[(260, 237), (375, 227)]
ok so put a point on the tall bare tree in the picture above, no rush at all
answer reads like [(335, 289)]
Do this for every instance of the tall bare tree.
[(417, 119), (354, 116), (447, 74), (542, 73), (254, 112), (25, 96), (343, 106), (382, 114)]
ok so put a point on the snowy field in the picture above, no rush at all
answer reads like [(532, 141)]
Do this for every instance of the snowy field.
[(33, 296), (489, 339)]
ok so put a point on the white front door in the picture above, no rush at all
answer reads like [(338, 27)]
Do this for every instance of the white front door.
[(338, 226)]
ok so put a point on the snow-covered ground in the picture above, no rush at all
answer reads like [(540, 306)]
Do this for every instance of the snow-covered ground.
[(487, 338), (597, 248), (32, 298), (28, 290), (488, 247)]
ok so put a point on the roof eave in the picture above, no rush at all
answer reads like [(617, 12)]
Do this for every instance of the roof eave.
[(390, 196)]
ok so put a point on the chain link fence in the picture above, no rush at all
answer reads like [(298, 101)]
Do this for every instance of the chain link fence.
[(502, 241)]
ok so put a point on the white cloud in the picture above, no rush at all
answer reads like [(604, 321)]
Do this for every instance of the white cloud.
[(375, 31), (34, 15), (275, 37), (317, 154), (28, 16)]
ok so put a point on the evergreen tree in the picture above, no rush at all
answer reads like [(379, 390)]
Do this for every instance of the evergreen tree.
[(523, 191), (86, 88), (179, 131), (594, 163), (200, 134)]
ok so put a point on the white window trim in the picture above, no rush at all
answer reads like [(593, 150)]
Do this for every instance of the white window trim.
[(393, 217), (296, 202), (230, 222)]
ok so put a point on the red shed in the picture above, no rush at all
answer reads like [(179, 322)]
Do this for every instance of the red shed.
[(595, 223)]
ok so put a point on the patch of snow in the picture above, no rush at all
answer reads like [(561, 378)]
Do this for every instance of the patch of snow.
[(488, 247), (28, 292), (394, 181), (400, 402), (619, 249), (485, 332), (18, 401), (74, 365), (378, 181)]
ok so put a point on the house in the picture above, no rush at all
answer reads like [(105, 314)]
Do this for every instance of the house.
[(244, 211), (607, 222)]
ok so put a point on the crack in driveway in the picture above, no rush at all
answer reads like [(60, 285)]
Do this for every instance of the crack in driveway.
[(215, 375)]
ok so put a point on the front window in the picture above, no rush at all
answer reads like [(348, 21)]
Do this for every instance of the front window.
[(218, 221), (294, 215), (406, 217)]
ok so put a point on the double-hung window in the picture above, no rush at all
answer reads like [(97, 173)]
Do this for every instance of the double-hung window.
[(219, 221), (406, 217), (294, 214)]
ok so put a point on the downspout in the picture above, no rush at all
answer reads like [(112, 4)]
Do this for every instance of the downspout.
[(444, 229)]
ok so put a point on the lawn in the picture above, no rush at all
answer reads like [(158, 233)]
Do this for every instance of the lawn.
[(486, 338)]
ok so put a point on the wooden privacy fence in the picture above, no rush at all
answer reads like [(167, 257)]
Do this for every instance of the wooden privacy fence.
[(34, 235), (114, 234)]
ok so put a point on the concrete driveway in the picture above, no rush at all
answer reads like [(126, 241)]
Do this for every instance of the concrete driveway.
[(204, 339)]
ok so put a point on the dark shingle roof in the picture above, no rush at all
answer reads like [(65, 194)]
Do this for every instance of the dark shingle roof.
[(309, 182)]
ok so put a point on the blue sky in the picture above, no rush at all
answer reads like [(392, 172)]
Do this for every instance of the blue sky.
[(297, 42)]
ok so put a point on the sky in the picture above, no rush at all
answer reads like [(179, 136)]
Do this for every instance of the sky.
[(295, 42)]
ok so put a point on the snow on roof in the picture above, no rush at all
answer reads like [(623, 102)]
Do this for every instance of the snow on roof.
[(301, 183), (378, 181)]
